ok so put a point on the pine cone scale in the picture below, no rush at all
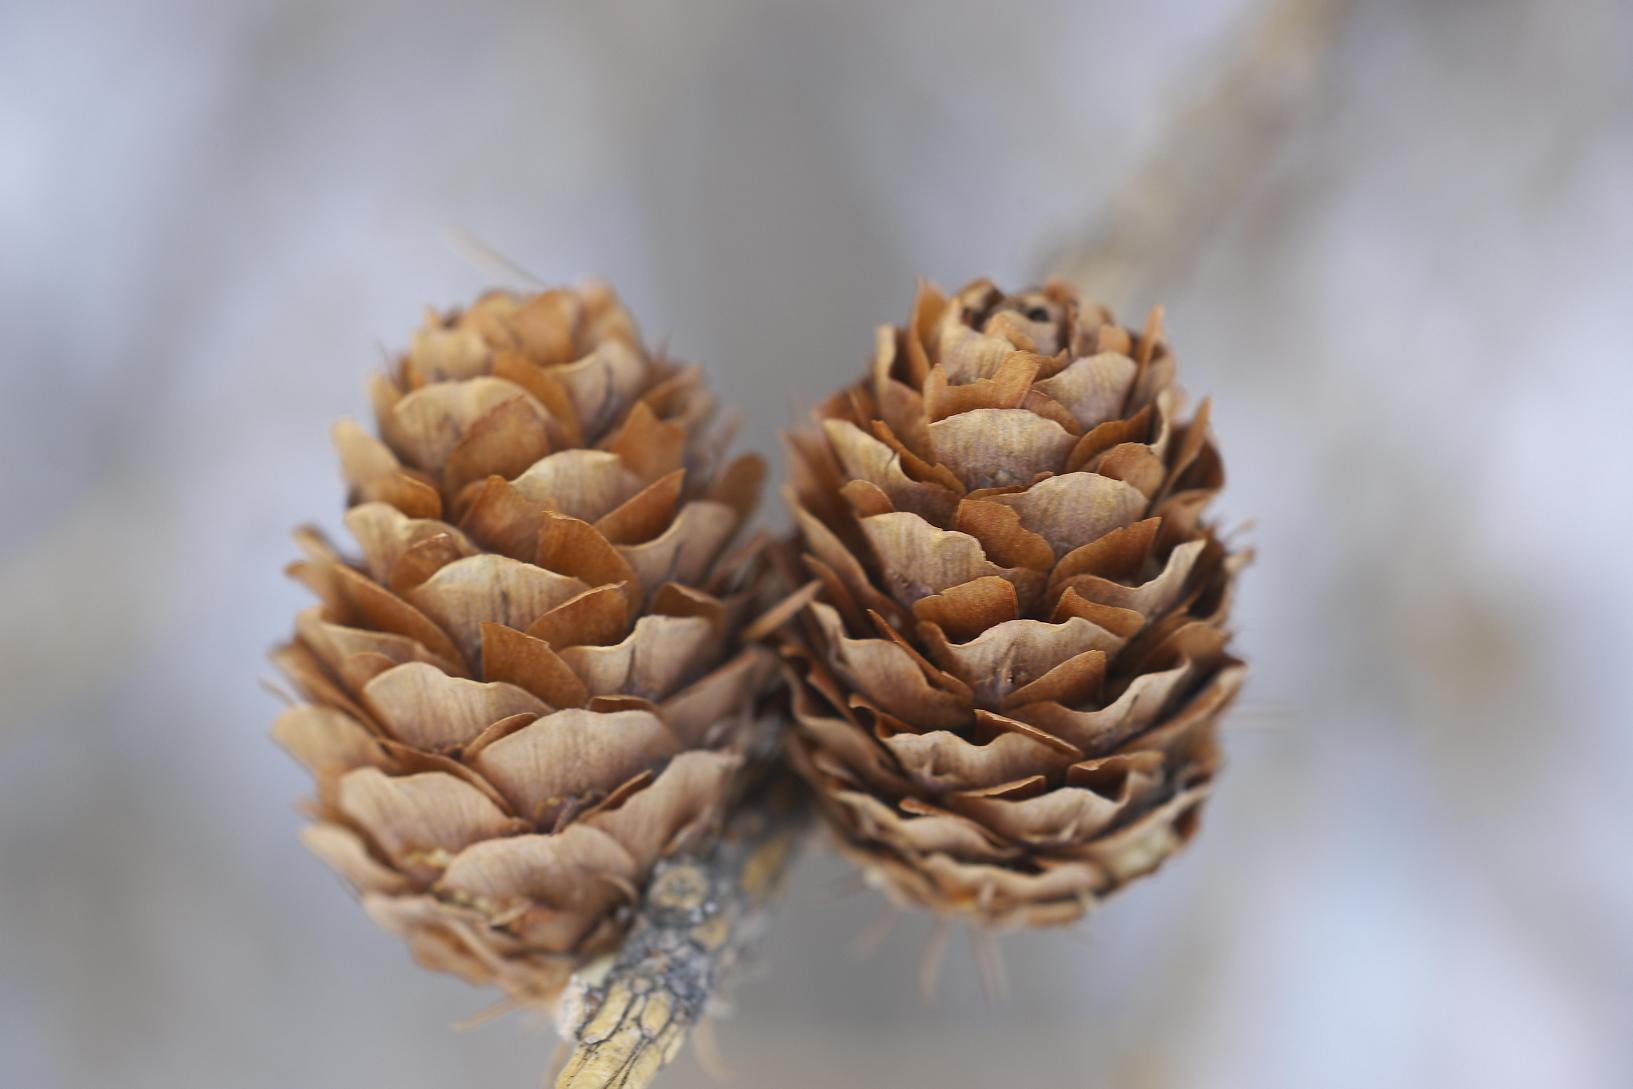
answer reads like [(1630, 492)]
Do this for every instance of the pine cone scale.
[(1007, 686), (530, 685)]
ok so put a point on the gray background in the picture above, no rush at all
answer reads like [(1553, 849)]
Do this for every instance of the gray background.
[(214, 216)]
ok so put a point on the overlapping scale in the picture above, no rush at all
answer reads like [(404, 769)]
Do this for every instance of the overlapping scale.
[(529, 683), (1010, 673)]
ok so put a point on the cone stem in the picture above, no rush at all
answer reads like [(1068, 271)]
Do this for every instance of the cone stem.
[(696, 927)]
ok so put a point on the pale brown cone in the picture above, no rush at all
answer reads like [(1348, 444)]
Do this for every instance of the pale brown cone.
[(529, 686), (1012, 667)]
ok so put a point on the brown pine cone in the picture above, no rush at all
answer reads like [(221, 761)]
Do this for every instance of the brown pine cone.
[(1012, 667), (530, 686)]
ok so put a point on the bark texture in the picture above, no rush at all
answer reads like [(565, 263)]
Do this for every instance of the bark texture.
[(697, 927)]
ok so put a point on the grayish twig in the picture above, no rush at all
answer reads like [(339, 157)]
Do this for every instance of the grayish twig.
[(1150, 232), (696, 927)]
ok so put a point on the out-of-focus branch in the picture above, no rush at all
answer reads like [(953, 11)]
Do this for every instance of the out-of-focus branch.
[(1210, 154), (695, 929)]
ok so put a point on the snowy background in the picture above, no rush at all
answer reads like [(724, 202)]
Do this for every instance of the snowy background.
[(214, 217)]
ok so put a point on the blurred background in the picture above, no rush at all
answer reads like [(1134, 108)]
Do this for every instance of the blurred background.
[(1409, 290)]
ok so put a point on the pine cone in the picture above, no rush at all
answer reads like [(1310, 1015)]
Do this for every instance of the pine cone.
[(530, 686), (1009, 676)]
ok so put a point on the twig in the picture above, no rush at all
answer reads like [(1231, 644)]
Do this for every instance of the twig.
[(1163, 215), (696, 927)]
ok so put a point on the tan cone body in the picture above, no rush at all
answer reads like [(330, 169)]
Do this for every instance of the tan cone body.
[(527, 686), (1015, 658)]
